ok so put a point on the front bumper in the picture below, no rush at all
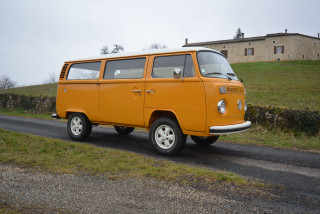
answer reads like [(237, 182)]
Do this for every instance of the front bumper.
[(221, 130)]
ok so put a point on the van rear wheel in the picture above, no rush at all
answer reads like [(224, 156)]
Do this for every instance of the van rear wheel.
[(123, 130), (166, 137), (79, 126), (204, 141)]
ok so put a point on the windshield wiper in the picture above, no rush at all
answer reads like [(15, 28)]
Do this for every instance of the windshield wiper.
[(229, 78), (231, 74)]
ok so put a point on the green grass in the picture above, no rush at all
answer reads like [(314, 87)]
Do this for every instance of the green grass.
[(291, 84), (23, 113), (58, 156), (258, 135), (48, 90)]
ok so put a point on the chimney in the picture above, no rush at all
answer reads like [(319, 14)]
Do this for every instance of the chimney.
[(286, 30), (242, 35), (186, 42)]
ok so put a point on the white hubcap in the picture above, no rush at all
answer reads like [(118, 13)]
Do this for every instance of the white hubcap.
[(165, 137), (76, 126)]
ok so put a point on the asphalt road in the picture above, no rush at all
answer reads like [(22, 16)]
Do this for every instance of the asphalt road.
[(296, 175)]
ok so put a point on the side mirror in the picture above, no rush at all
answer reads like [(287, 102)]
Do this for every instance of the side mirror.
[(177, 73)]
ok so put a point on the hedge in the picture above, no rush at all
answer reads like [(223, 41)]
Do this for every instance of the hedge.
[(285, 119)]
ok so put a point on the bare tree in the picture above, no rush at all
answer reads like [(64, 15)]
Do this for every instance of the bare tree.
[(239, 34), (53, 78), (104, 50), (117, 49), (6, 82), (156, 46)]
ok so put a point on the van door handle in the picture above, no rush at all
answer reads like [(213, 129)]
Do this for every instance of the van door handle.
[(138, 91), (150, 91)]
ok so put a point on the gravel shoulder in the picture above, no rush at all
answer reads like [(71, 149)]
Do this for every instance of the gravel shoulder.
[(33, 191)]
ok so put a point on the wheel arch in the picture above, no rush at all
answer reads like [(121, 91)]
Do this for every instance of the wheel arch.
[(156, 114), (69, 112)]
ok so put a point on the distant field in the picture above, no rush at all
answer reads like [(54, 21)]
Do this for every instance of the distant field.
[(48, 90), (292, 84)]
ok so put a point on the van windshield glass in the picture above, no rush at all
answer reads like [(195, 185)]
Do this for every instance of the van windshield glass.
[(215, 66)]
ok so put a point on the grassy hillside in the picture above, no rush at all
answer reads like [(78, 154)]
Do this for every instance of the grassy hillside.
[(49, 90), (293, 84)]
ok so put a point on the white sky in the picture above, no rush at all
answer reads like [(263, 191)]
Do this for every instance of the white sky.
[(37, 36)]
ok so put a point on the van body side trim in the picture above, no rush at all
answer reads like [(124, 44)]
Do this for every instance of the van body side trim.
[(221, 130)]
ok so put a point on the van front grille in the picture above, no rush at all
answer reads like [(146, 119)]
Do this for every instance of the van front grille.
[(63, 71)]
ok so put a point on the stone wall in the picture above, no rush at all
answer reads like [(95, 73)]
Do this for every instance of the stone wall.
[(285, 119), (31, 104)]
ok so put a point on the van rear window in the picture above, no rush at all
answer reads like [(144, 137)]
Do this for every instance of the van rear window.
[(125, 69), (83, 71)]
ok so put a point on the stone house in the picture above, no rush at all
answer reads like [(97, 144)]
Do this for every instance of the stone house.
[(271, 47)]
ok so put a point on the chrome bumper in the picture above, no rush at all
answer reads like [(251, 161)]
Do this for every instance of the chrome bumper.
[(221, 130)]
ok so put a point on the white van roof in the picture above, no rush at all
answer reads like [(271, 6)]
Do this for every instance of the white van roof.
[(155, 51)]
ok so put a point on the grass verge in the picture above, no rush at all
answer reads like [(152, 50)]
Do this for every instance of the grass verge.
[(23, 113), (258, 135), (57, 156)]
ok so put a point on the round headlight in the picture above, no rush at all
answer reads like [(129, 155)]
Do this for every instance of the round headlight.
[(221, 106)]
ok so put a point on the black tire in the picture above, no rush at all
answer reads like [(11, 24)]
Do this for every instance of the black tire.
[(174, 138), (204, 141), (79, 126), (123, 130)]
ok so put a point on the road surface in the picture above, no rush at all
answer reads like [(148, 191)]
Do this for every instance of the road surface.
[(297, 172)]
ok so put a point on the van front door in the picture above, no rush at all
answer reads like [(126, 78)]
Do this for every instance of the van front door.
[(184, 96), (121, 98)]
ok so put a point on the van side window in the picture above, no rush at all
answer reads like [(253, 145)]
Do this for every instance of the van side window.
[(83, 71), (164, 66), (125, 69)]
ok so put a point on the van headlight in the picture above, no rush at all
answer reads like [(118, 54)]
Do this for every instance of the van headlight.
[(221, 106)]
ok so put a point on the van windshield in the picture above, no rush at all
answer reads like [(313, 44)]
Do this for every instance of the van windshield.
[(215, 66)]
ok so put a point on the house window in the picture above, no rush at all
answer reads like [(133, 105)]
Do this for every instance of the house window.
[(249, 51), (278, 49), (225, 53)]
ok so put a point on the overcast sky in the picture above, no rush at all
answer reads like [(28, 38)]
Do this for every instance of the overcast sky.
[(37, 36)]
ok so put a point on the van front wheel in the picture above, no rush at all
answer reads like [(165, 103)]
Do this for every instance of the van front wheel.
[(166, 137), (123, 130), (204, 141), (79, 126)]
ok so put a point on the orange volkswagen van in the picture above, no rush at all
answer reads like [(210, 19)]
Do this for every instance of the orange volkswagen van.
[(172, 93)]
